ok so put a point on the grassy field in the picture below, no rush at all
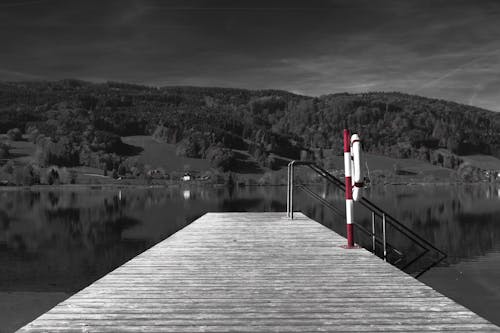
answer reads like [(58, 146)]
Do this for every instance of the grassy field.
[(483, 161), (162, 155), (378, 164), (416, 168), (24, 152)]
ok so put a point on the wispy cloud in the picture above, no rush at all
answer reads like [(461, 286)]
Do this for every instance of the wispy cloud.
[(21, 3), (445, 49), (462, 67), (10, 75)]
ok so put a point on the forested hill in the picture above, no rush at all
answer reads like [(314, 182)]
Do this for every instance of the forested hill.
[(80, 123)]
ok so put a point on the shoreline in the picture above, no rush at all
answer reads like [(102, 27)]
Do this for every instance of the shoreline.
[(78, 187), (41, 187)]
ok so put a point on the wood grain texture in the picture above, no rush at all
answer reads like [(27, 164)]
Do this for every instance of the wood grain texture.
[(257, 272)]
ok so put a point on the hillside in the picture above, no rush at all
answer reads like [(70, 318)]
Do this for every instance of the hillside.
[(76, 123), (160, 154)]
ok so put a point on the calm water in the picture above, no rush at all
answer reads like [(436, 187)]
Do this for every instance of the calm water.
[(59, 241)]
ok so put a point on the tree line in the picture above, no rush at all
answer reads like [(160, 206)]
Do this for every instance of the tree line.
[(79, 123)]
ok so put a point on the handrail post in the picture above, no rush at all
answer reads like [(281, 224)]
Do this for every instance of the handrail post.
[(291, 191), (288, 192), (373, 232), (384, 237)]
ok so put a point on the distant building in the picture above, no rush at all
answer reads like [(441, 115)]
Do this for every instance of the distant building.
[(492, 175), (156, 173)]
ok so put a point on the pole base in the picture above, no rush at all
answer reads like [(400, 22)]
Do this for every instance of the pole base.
[(353, 247)]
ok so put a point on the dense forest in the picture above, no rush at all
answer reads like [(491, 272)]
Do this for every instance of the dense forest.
[(79, 123)]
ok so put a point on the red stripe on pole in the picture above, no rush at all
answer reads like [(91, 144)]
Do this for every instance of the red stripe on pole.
[(350, 236), (348, 188), (347, 141)]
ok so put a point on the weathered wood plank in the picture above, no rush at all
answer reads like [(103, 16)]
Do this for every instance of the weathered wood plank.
[(257, 272)]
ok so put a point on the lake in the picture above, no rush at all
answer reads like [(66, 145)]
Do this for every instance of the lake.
[(54, 242)]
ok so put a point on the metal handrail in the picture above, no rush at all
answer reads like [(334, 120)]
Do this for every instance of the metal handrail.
[(375, 239), (375, 210)]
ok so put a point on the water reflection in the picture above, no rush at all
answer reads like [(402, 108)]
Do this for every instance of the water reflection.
[(463, 221), (61, 240)]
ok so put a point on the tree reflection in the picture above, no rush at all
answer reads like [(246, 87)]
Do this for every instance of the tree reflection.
[(63, 240), (461, 220)]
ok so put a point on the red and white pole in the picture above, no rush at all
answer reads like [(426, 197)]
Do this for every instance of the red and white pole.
[(348, 188)]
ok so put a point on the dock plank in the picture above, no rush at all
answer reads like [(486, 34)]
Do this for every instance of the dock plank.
[(257, 272)]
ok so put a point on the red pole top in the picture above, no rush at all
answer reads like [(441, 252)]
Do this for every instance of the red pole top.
[(347, 141)]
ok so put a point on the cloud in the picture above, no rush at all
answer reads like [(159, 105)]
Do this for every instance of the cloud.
[(9, 75), (20, 3), (444, 49)]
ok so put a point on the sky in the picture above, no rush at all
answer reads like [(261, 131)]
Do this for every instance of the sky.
[(435, 48)]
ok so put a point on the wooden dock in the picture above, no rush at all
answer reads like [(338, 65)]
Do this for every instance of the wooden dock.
[(257, 272)]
